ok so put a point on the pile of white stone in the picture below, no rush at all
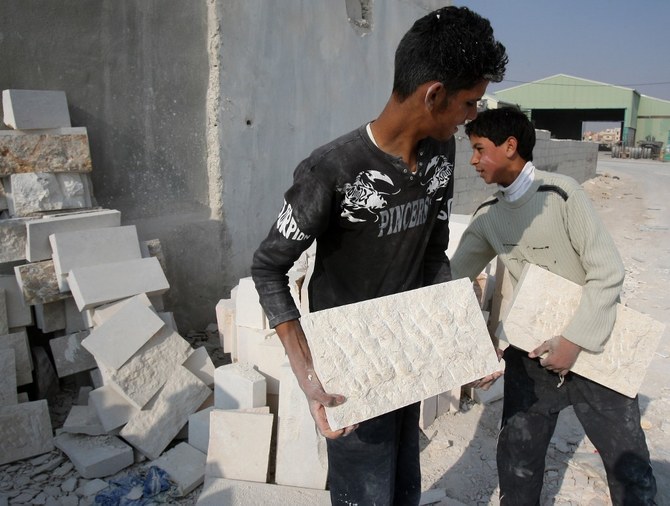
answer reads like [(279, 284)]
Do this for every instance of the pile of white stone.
[(95, 290)]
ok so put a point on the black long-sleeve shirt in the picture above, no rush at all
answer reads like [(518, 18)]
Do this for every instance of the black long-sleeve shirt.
[(380, 229)]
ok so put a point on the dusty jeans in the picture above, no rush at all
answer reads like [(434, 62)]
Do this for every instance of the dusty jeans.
[(378, 463), (610, 420)]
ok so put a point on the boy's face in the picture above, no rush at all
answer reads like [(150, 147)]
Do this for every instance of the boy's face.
[(461, 106), (492, 162)]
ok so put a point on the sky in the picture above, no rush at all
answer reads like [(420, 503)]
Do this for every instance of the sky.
[(626, 43)]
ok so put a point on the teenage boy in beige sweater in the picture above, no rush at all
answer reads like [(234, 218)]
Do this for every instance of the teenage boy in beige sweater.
[(547, 219)]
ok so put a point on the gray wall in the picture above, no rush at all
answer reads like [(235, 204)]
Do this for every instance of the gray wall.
[(198, 111)]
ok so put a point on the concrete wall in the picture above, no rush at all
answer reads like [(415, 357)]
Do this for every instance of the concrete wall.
[(198, 111)]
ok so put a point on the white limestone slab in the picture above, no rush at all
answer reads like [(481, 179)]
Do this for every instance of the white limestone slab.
[(151, 429), (248, 310), (112, 409), (95, 456), (544, 304), (185, 465), (70, 357), (121, 336), (98, 284), (101, 314), (218, 491), (84, 248), (25, 431), (33, 109), (269, 356), (83, 420), (247, 340), (147, 370), (198, 425), (302, 459), (18, 313), (200, 364), (34, 192), (389, 352), (239, 445), (39, 230), (225, 320), (239, 385), (8, 385), (18, 341)]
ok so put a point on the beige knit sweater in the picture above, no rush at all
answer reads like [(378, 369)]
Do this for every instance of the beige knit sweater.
[(555, 226)]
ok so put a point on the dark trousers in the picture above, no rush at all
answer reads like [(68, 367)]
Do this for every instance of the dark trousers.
[(378, 463), (531, 406)]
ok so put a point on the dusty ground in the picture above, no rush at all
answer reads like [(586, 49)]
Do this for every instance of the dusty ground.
[(458, 456)]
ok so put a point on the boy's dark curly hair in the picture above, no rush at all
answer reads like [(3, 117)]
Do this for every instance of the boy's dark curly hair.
[(498, 125), (452, 45)]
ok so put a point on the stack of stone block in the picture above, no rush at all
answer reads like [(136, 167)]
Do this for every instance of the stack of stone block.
[(75, 279)]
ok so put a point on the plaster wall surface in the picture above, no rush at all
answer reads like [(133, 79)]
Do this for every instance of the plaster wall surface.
[(198, 112)]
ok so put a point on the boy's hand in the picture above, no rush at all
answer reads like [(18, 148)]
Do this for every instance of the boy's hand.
[(561, 354), (318, 400), (487, 381)]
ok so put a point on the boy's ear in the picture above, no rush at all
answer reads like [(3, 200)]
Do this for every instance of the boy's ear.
[(432, 94), (511, 145)]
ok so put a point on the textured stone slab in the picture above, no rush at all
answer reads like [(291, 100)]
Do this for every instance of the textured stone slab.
[(122, 335), (33, 109), (239, 445), (37, 192), (96, 285), (13, 234), (151, 429), (147, 371), (218, 491), (544, 304), (198, 425), (18, 341), (8, 385), (185, 465), (38, 283), (60, 150), (95, 456), (25, 431), (248, 310), (18, 313), (302, 459), (39, 230), (389, 352), (83, 248), (70, 357)]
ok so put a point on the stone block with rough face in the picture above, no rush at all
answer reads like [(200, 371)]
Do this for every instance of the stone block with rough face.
[(386, 353), (18, 341), (25, 431), (38, 192), (13, 234), (151, 429), (38, 283), (8, 395), (146, 371), (60, 150), (70, 357), (544, 304)]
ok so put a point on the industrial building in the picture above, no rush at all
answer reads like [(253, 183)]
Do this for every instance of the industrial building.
[(561, 103)]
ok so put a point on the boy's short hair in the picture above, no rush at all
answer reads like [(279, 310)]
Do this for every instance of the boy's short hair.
[(452, 45), (497, 125)]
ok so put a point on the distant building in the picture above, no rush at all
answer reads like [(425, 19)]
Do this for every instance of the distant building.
[(561, 103)]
